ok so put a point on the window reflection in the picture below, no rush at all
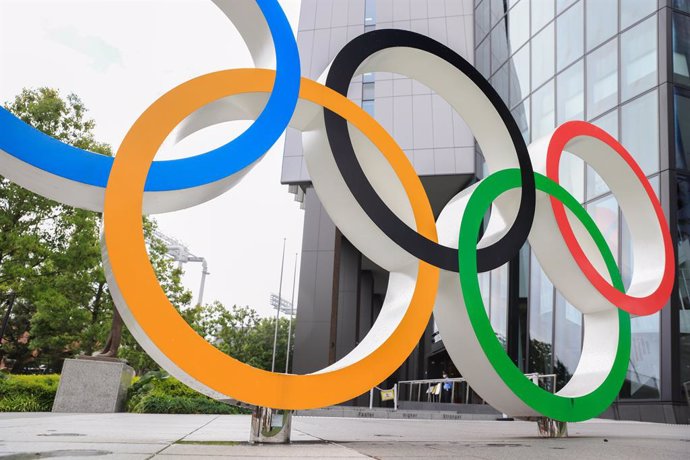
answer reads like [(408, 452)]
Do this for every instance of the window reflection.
[(634, 10), (638, 59), (570, 36), (602, 79), (542, 57), (567, 340), (640, 131), (683, 5), (683, 273), (518, 25), (682, 128), (543, 116), (681, 48), (499, 303), (602, 21), (521, 114), (571, 94), (540, 319), (500, 82), (642, 380), (519, 76), (482, 21), (542, 13), (499, 46)]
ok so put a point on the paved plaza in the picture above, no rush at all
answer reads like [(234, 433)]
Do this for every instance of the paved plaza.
[(136, 436)]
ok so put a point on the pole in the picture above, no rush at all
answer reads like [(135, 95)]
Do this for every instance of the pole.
[(292, 311), (6, 319), (204, 272), (280, 292), (395, 396)]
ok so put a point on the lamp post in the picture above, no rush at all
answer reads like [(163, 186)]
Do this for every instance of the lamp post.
[(292, 311), (280, 292)]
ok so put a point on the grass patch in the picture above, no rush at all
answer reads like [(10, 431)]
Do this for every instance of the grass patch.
[(209, 443)]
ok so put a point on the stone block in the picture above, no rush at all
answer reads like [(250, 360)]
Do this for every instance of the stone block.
[(93, 386)]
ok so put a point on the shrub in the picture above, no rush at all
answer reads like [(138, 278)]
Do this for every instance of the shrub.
[(158, 393), (28, 393)]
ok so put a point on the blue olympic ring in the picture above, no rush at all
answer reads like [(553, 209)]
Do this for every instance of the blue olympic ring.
[(41, 151)]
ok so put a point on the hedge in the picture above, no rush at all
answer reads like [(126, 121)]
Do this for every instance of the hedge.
[(154, 393), (27, 393)]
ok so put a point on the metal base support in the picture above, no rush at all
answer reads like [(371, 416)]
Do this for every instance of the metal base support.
[(270, 426), (550, 428)]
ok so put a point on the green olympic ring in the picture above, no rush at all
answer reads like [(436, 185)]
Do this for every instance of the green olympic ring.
[(567, 409)]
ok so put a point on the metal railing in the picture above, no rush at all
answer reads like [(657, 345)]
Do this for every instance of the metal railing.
[(460, 392)]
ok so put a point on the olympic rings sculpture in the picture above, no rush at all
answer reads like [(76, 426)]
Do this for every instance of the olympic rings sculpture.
[(372, 193)]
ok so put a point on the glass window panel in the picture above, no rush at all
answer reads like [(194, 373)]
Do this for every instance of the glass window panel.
[(570, 30), (642, 380), (368, 77), (518, 25), (497, 10), (519, 75), (634, 10), (499, 46), (543, 111), (602, 79), (540, 319), (521, 115), (483, 56), (683, 218), (638, 59), (370, 12), (482, 22), (682, 127), (542, 13), (683, 5), (542, 57), (604, 211), (485, 288), (681, 48), (626, 264), (499, 303), (563, 4), (602, 21), (567, 340), (500, 82), (571, 93), (595, 184), (640, 131), (683, 273), (368, 91), (368, 107)]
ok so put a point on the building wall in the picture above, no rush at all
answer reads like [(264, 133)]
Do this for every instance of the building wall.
[(340, 295)]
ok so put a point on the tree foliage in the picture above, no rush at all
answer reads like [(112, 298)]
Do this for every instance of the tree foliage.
[(241, 333), (50, 263), (50, 258)]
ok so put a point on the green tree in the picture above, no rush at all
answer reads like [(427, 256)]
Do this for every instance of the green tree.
[(50, 257), (241, 333)]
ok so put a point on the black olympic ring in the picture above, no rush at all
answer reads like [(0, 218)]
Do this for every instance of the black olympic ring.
[(339, 77)]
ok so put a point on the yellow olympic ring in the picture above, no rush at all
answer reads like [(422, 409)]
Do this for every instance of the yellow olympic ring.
[(160, 321)]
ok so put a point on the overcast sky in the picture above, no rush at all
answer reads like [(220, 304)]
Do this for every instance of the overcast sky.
[(118, 57)]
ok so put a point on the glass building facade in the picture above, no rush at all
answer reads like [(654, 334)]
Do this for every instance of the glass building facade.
[(623, 65), (606, 62)]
